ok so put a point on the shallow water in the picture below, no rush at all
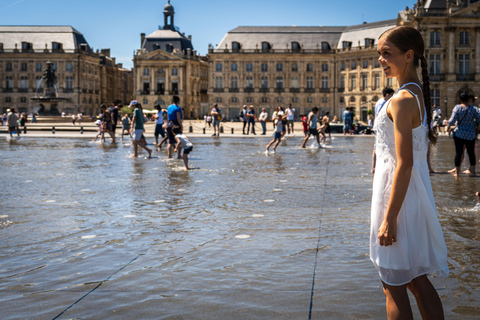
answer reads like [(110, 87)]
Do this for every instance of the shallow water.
[(88, 233)]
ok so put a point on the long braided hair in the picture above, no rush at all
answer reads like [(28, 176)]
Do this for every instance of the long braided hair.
[(408, 38)]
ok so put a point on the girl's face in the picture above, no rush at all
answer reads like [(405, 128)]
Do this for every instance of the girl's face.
[(391, 59)]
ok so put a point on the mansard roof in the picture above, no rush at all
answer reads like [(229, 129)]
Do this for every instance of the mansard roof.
[(39, 36), (162, 38)]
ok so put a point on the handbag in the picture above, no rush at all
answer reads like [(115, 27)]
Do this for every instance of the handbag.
[(451, 133)]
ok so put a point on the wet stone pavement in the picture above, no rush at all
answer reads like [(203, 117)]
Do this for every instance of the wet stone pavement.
[(88, 233)]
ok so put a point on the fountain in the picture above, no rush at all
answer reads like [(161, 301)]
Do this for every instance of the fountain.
[(49, 98)]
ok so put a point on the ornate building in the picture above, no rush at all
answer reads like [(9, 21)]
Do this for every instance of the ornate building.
[(337, 67), (85, 77), (167, 65), (451, 31)]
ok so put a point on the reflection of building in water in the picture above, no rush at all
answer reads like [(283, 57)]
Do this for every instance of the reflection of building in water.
[(337, 67), (85, 77), (167, 65)]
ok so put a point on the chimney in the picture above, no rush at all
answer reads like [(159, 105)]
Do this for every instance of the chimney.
[(105, 52), (190, 37), (142, 39)]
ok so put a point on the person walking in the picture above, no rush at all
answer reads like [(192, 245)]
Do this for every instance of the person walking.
[(12, 122), (251, 120), (106, 123), (312, 127), (263, 118), (464, 135), (126, 123), (159, 130), (290, 112), (74, 118), (406, 239), (115, 116), (216, 118), (243, 117), (347, 121), (277, 133), (138, 129), (175, 118)]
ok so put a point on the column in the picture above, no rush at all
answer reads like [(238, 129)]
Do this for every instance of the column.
[(450, 74), (477, 54)]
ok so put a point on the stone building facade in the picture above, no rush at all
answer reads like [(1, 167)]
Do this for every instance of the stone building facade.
[(167, 65), (85, 77), (337, 67)]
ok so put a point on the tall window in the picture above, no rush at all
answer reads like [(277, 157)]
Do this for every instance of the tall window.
[(295, 82), (264, 82), (69, 83), (376, 81), (9, 83), (23, 66), (8, 66), (342, 66), (294, 67), (218, 67), (434, 38), (233, 67), (435, 96), (309, 67), (279, 67), (342, 82), (264, 67), (264, 100), (309, 82), (38, 67), (353, 82), (234, 83), (434, 64), (279, 82), (377, 64), (464, 38), (69, 67), (354, 65), (464, 65), (23, 83), (389, 82), (38, 82), (174, 71), (249, 82), (365, 64), (324, 82), (219, 82), (249, 67), (324, 67), (364, 81)]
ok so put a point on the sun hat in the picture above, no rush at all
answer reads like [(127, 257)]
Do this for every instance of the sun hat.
[(133, 102)]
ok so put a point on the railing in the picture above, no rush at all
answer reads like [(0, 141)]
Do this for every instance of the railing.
[(294, 89), (248, 89), (217, 89), (8, 90), (465, 77), (233, 90), (264, 90), (296, 51), (279, 89), (436, 77), (341, 89), (160, 93), (309, 89), (67, 90), (23, 90), (325, 90)]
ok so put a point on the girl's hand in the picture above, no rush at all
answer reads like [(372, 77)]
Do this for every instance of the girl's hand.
[(387, 233)]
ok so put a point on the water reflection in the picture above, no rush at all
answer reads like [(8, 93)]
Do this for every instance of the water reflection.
[(241, 228)]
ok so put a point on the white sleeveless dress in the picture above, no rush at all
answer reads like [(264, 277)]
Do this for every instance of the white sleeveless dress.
[(420, 248)]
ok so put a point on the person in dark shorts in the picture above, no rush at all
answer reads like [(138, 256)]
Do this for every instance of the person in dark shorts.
[(174, 117), (183, 142)]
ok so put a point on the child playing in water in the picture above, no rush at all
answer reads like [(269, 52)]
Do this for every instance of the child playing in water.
[(99, 134), (277, 134), (186, 144)]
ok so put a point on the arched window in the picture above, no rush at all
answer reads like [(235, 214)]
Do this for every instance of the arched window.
[(364, 99), (235, 46), (325, 45), (266, 46), (295, 46), (352, 99)]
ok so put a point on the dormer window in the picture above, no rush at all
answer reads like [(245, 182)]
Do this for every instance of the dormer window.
[(27, 46), (295, 46), (235, 46), (325, 45), (169, 48), (57, 46), (156, 46), (369, 42), (346, 45), (266, 46)]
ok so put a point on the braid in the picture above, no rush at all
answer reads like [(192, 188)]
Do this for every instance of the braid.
[(432, 136)]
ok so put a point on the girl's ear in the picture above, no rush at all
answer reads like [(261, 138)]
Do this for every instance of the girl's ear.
[(409, 55)]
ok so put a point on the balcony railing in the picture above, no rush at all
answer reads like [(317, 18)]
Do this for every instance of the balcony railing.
[(160, 92), (341, 89), (325, 90), (217, 89), (203, 91), (294, 89), (465, 77), (67, 90), (7, 90), (309, 89), (436, 77), (248, 89), (23, 90), (264, 90), (233, 90), (173, 92), (279, 89)]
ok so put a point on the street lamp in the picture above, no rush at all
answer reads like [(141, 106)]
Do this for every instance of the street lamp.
[(446, 110)]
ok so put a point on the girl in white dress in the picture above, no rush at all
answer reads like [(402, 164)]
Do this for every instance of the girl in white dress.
[(406, 240)]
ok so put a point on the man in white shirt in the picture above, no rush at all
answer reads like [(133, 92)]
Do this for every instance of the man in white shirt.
[(437, 118), (290, 117), (263, 118)]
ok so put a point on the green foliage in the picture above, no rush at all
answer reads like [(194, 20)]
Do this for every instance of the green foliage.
[(126, 109), (370, 111)]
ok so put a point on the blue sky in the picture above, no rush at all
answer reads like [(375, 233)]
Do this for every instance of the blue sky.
[(117, 24)]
